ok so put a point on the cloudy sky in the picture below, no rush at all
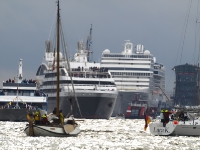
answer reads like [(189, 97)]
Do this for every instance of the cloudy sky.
[(167, 28)]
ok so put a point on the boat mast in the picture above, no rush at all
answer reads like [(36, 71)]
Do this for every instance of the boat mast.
[(19, 80), (58, 60)]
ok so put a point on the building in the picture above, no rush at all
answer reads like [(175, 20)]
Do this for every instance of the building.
[(186, 85)]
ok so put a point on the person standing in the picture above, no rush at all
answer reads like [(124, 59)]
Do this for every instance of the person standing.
[(45, 120), (37, 117), (61, 116), (162, 117), (166, 116)]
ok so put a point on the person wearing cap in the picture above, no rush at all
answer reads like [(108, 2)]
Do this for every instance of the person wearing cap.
[(162, 117), (37, 117), (44, 120), (166, 116)]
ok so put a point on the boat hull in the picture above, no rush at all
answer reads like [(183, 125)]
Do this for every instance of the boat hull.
[(51, 131), (13, 114), (187, 130), (92, 106), (156, 128), (181, 129)]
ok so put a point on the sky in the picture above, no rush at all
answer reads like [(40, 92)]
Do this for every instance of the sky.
[(166, 28)]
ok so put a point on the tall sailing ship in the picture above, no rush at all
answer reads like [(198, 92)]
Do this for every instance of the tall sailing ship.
[(137, 77), (94, 87)]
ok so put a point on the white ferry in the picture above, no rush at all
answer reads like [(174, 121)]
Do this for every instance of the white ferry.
[(19, 96)]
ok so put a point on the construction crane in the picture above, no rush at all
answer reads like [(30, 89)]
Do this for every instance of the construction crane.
[(164, 93)]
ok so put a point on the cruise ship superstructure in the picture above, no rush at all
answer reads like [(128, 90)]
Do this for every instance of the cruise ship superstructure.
[(94, 88), (133, 73)]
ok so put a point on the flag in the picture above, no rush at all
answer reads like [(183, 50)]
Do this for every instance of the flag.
[(147, 121)]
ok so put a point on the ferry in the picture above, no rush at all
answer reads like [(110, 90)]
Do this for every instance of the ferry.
[(18, 96)]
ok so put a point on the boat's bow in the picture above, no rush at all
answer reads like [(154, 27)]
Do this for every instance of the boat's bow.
[(156, 128)]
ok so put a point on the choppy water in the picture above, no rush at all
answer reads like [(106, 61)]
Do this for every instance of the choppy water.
[(114, 134)]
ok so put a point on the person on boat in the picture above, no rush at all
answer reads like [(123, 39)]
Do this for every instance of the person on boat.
[(162, 117), (186, 117), (37, 117), (172, 117), (45, 120), (181, 116), (166, 116), (54, 111), (61, 117), (52, 116)]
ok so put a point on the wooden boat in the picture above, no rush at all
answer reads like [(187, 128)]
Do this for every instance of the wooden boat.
[(70, 128)]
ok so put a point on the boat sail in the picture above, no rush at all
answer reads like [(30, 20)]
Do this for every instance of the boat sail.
[(57, 129)]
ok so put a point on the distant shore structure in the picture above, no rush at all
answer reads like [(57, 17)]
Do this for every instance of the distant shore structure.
[(187, 85)]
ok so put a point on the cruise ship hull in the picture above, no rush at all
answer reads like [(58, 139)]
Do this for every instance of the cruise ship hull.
[(13, 114), (123, 103), (92, 106)]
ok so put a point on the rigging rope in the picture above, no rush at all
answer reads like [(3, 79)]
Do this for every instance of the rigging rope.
[(182, 38), (53, 22), (69, 69), (196, 33), (186, 23)]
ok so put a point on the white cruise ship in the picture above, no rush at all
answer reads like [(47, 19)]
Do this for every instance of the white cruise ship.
[(133, 73), (94, 88)]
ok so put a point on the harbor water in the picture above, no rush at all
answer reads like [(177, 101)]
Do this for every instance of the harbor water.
[(113, 134)]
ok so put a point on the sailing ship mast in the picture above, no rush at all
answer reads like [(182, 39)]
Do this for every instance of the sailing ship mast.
[(67, 129), (58, 60)]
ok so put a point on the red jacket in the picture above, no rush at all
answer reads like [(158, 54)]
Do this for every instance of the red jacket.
[(166, 114)]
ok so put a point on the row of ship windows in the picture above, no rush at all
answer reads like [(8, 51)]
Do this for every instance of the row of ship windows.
[(50, 90), (81, 75), (130, 74), (131, 81), (139, 69), (62, 73), (160, 73), (125, 56), (78, 82), (131, 86), (126, 63)]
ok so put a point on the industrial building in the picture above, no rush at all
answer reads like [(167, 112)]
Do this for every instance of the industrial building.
[(187, 85)]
